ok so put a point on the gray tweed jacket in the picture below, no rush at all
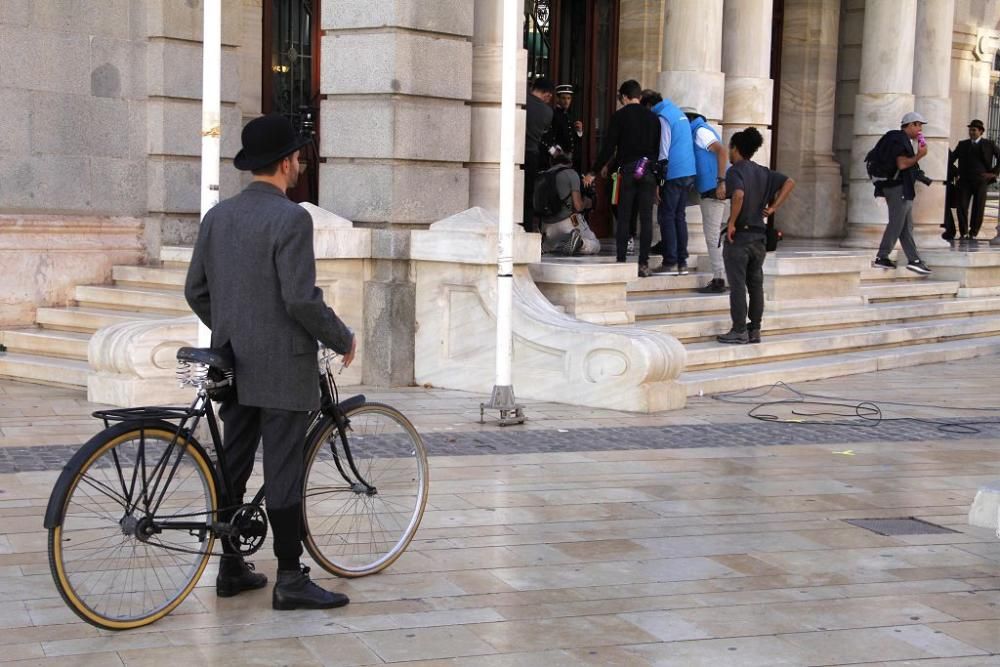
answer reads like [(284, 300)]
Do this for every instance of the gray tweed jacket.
[(252, 281)]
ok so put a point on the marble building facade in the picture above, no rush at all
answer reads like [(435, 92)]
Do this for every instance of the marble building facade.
[(100, 113)]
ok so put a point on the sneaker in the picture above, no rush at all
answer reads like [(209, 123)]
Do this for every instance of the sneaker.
[(644, 271), (918, 266), (883, 263), (573, 244), (665, 268), (682, 269), (714, 286), (753, 335), (734, 338), (630, 248)]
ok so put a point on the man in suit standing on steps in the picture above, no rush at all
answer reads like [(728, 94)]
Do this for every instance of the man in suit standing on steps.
[(978, 165), (252, 281)]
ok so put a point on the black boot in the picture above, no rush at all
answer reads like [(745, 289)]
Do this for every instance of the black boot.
[(295, 590), (236, 576)]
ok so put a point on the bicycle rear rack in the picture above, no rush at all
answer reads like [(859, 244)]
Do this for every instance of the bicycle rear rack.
[(146, 413)]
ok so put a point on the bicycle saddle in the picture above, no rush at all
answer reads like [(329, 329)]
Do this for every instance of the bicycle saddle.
[(216, 357)]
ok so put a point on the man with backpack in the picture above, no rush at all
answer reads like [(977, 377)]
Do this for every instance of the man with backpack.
[(559, 205), (893, 166)]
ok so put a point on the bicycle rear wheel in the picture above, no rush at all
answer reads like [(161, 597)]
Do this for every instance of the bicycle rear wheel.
[(134, 537), (360, 520)]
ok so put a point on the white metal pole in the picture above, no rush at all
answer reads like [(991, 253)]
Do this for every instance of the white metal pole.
[(211, 119), (505, 245), (503, 391)]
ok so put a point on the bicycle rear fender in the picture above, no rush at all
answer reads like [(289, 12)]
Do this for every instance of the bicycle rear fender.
[(57, 500)]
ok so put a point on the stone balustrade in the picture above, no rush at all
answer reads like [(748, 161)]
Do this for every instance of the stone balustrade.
[(556, 357)]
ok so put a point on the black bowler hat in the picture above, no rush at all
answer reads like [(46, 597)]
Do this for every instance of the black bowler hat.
[(266, 140), (978, 124)]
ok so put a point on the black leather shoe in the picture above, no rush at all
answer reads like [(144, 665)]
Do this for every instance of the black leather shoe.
[(753, 335), (236, 576), (734, 338), (295, 590)]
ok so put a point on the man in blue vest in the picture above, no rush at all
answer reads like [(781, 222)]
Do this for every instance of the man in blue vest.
[(677, 174), (711, 163)]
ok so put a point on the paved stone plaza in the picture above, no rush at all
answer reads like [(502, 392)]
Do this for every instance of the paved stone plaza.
[(591, 537)]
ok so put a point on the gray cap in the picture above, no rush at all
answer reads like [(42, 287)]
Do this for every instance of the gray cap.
[(912, 117)]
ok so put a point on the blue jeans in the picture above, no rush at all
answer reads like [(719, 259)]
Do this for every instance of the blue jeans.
[(673, 219)]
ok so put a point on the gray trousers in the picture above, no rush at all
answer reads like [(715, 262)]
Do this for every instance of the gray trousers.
[(900, 227), (713, 215)]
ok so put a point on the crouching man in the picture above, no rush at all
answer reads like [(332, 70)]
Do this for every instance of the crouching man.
[(560, 205)]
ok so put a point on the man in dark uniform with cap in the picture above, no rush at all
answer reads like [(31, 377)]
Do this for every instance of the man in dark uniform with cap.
[(564, 135), (978, 165)]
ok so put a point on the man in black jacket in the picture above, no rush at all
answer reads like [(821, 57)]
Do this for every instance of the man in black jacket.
[(634, 140), (252, 281), (538, 120), (978, 165)]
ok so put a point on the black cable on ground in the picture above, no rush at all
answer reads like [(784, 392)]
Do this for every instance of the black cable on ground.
[(829, 410)]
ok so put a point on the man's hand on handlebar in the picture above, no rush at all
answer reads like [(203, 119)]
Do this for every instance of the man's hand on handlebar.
[(349, 357)]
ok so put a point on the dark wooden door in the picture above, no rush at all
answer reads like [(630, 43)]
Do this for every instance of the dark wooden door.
[(290, 79), (576, 42)]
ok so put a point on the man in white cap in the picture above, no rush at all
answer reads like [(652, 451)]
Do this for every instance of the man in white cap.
[(894, 163)]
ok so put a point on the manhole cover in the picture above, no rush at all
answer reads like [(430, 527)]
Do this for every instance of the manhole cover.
[(900, 526)]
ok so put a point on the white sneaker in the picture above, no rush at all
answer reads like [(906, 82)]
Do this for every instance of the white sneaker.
[(630, 248)]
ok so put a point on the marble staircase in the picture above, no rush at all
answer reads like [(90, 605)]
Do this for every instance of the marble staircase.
[(900, 319), (54, 350)]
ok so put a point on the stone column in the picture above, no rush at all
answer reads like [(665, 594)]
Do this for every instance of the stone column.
[(397, 78), (484, 159), (746, 60), (931, 90), (885, 93), (805, 137), (692, 74)]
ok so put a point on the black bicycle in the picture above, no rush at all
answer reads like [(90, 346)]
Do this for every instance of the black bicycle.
[(135, 514)]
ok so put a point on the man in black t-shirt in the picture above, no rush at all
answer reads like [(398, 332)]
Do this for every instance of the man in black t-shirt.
[(756, 193), (633, 137)]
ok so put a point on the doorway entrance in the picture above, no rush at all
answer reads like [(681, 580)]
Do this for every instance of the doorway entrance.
[(290, 78), (576, 42)]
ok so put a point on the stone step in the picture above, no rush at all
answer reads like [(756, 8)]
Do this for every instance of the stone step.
[(668, 284), (908, 289), (712, 354), (44, 370), (87, 319), (148, 276), (718, 380), (706, 327), (138, 299), (872, 274), (646, 307), (176, 257), (46, 342)]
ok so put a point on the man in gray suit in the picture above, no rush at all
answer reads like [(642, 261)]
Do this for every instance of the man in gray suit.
[(252, 280)]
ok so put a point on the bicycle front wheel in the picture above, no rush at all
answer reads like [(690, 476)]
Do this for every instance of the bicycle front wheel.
[(135, 530), (362, 504)]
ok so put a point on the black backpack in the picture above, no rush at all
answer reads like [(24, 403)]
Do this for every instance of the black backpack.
[(546, 200), (881, 161)]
